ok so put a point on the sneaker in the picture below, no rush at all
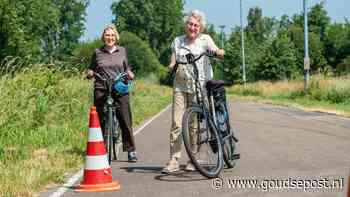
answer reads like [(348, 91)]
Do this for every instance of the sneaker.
[(132, 156), (190, 166), (172, 166)]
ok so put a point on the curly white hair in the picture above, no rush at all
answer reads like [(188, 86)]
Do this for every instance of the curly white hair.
[(200, 16)]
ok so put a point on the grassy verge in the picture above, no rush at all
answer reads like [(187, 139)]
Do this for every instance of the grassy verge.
[(330, 95), (43, 125)]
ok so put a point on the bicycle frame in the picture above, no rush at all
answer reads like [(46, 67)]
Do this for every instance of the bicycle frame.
[(108, 106), (110, 110), (209, 110), (209, 113), (206, 105), (206, 133)]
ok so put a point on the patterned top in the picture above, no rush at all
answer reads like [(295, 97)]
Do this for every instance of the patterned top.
[(184, 78)]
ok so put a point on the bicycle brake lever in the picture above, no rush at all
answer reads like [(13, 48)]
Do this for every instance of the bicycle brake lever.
[(211, 53), (98, 76)]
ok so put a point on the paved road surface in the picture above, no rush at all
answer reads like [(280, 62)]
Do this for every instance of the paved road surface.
[(276, 143)]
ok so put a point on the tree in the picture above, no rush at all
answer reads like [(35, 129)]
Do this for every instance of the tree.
[(337, 43), (155, 21), (284, 23), (71, 24), (317, 54), (25, 26), (232, 61), (40, 28), (255, 26), (279, 61), (82, 53), (318, 23), (318, 20), (140, 56), (343, 67), (259, 28)]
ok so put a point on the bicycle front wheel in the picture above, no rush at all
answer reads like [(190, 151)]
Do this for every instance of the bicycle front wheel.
[(202, 142), (229, 144), (108, 137), (117, 141)]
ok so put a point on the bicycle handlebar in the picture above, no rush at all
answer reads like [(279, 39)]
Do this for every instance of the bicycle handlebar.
[(99, 76), (191, 59), (121, 76), (109, 82)]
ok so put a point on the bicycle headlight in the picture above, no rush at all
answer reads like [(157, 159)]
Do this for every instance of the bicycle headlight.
[(110, 101)]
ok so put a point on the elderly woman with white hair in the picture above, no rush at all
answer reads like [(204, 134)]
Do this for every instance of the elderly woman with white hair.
[(183, 88)]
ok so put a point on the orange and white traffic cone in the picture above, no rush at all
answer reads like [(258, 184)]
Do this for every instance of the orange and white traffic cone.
[(97, 172)]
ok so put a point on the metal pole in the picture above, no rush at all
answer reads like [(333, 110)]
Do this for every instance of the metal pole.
[(242, 43), (222, 47), (306, 46)]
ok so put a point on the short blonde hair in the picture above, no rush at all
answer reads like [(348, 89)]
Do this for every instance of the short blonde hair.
[(113, 28), (197, 15)]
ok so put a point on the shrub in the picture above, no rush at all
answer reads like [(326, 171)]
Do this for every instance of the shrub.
[(83, 52), (344, 67), (141, 58)]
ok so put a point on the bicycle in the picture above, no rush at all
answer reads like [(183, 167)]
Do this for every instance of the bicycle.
[(112, 131), (206, 127)]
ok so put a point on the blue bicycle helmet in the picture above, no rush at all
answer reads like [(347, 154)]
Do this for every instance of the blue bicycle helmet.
[(121, 86)]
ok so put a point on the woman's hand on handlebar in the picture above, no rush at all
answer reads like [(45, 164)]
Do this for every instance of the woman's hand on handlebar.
[(216, 53), (220, 53), (90, 74), (131, 75)]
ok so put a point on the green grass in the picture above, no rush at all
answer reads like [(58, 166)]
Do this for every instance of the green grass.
[(43, 125), (323, 94)]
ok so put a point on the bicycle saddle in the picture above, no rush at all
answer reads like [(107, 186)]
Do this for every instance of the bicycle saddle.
[(214, 84)]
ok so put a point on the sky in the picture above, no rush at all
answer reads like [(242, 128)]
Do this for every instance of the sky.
[(220, 12)]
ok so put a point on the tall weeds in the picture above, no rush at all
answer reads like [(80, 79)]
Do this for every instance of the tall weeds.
[(323, 90), (43, 123)]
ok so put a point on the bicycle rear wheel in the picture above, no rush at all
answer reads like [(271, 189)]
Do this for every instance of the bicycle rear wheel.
[(202, 142), (228, 140)]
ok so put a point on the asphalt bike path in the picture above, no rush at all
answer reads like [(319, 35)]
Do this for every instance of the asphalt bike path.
[(284, 152)]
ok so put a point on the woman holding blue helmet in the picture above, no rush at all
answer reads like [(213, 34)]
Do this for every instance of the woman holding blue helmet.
[(111, 59)]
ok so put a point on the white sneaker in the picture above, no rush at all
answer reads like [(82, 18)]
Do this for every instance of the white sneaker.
[(172, 166), (190, 166)]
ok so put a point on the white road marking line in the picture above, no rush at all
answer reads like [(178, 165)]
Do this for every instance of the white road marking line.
[(69, 184), (149, 121)]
